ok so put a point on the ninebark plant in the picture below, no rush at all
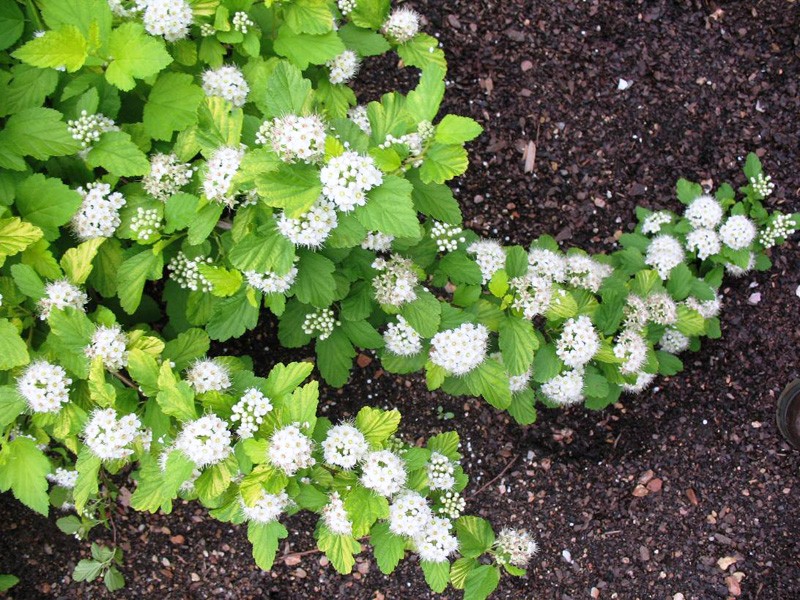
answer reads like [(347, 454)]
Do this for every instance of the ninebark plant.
[(173, 169)]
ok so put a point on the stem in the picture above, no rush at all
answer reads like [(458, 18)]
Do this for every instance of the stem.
[(498, 476), (124, 379)]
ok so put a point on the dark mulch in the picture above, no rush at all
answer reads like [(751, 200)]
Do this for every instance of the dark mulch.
[(710, 82)]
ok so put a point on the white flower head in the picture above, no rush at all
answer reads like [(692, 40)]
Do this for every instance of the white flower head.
[(186, 272), (44, 386), (635, 312), (343, 67), (87, 129), (441, 472), (290, 450), (673, 341), (578, 343), (402, 25), (664, 254), (347, 178), (335, 516), (643, 381), (294, 138), (312, 228), (532, 294), (779, 228), (737, 271), (377, 242), (110, 436), (64, 478), (518, 383), (448, 237), (436, 543), (516, 547), (396, 283), (220, 171), (409, 514), (205, 441), (111, 345), (762, 185), (661, 309), (704, 212), (383, 472), (250, 411), (708, 309), (227, 82), (358, 115), (632, 349), (60, 295), (320, 323), (490, 256), (168, 18), (145, 223), (208, 375), (344, 446), (566, 388), (653, 223), (548, 264), (460, 350), (267, 508), (270, 282), (738, 232), (402, 339), (585, 272), (703, 241), (98, 215)]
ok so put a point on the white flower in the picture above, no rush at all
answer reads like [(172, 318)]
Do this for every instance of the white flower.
[(452, 505), (440, 472), (447, 237), (208, 375), (632, 349), (241, 22), (402, 25), (704, 212), (335, 516), (548, 264), (377, 242), (490, 257), (270, 282), (347, 178), (343, 67), (167, 176), (517, 383), (585, 272), (383, 472), (402, 339), (643, 381), (703, 241), (673, 341), (290, 450), (653, 223), (168, 18), (110, 344), (516, 547), (394, 286), (346, 6), (267, 508), (250, 411), (635, 311), (737, 271), (780, 228), (312, 228), (227, 82), (87, 129), (126, 8), (63, 478), (205, 441), (708, 309), (532, 294), (109, 436), (320, 323), (460, 350), (146, 223), (566, 388), (344, 446), (294, 138), (44, 386), (186, 272), (436, 543), (98, 215), (220, 171), (738, 232), (661, 309), (358, 115), (578, 343), (60, 295), (664, 254), (409, 514), (762, 185)]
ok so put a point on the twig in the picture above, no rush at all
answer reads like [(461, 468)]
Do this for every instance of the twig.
[(498, 476), (125, 380), (286, 557)]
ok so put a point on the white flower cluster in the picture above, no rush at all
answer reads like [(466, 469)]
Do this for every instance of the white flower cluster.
[(664, 254), (737, 271), (782, 227), (402, 25), (394, 286), (673, 341), (383, 472), (402, 339), (335, 516), (517, 383), (635, 313), (346, 6), (532, 294), (111, 345), (552, 265), (515, 547), (168, 18), (267, 508), (87, 129), (585, 272), (207, 30), (109, 436), (44, 386), (578, 343), (312, 228), (205, 441), (347, 178), (126, 8), (409, 514), (415, 142), (490, 257), (294, 138), (653, 223), (446, 236), (320, 323), (762, 185), (460, 350), (704, 212), (146, 223), (358, 115), (632, 349), (241, 22), (208, 375), (708, 309), (377, 242), (661, 309), (167, 176), (63, 478), (290, 450), (738, 232), (344, 446), (452, 504), (98, 215), (436, 543), (60, 295), (643, 381), (440, 472), (186, 272), (250, 411), (228, 83), (220, 171), (343, 67), (703, 241), (566, 388), (270, 282)]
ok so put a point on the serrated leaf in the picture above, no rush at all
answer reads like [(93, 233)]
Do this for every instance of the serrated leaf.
[(309, 16), (265, 538), (77, 261), (489, 380), (688, 191), (232, 317), (335, 358), (422, 51), (434, 200), (304, 49), (188, 346), (389, 209), (423, 314), (481, 582), (263, 251), (65, 47), (12, 24), (365, 42), (339, 549), (517, 344), (37, 132), (287, 91), (13, 349), (437, 574), (364, 507), (443, 162), (314, 283), (423, 101), (12, 405), (294, 188), (172, 105), (87, 570), (133, 274), (86, 485), (388, 548), (46, 201), (376, 424), (457, 130), (117, 153), (475, 536), (134, 55), (23, 470)]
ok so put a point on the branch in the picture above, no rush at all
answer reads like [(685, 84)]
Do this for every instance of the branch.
[(498, 476)]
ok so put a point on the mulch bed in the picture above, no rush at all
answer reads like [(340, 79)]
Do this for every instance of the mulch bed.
[(641, 500)]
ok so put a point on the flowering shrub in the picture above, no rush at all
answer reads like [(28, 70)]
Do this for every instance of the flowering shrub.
[(219, 140)]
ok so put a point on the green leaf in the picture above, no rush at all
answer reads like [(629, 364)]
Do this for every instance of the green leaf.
[(132, 275), (460, 268), (335, 358), (113, 580), (37, 132), (13, 350), (443, 162), (389, 209), (423, 102), (680, 282), (224, 282), (6, 581), (434, 200), (459, 571), (304, 49), (265, 539), (177, 471), (517, 344), (262, 251), (213, 482), (481, 582), (475, 536), (134, 54), (220, 124), (87, 570), (668, 364), (309, 16), (490, 381), (457, 130), (15, 236), (363, 41), (148, 495), (12, 405), (187, 347), (77, 261), (283, 379), (293, 188), (339, 549), (287, 91), (437, 574), (86, 486), (752, 166), (177, 401), (377, 425), (690, 322), (92, 17), (232, 317), (362, 334), (388, 548), (688, 191), (370, 13), (423, 314), (12, 23), (62, 48), (172, 105), (28, 281), (522, 407), (23, 470), (315, 284), (117, 153), (422, 51), (29, 87), (70, 332), (364, 508), (302, 406)]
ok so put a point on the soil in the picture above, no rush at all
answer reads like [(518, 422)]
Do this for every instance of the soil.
[(638, 501)]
